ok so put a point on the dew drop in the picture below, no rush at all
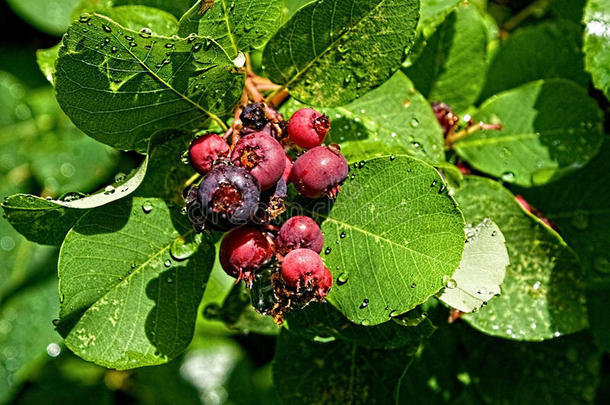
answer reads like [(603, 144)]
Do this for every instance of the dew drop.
[(365, 322), (133, 44), (145, 32), (508, 176), (109, 190), (147, 207), (343, 278), (84, 18), (342, 235), (168, 263), (106, 28), (182, 250), (127, 37), (392, 157), (197, 47), (169, 45), (413, 285), (433, 183), (113, 49), (327, 251), (394, 313), (365, 303), (451, 284), (414, 123)]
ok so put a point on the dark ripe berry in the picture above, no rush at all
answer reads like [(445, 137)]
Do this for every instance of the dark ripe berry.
[(253, 116), (445, 116), (229, 196), (205, 150), (272, 203), (308, 128), (319, 171), (243, 251), (287, 170), (300, 232), (262, 156), (302, 268)]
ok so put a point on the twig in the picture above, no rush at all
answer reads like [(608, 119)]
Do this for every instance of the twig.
[(458, 136)]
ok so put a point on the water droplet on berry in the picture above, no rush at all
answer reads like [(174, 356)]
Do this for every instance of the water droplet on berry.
[(365, 303), (147, 207), (343, 278), (145, 32)]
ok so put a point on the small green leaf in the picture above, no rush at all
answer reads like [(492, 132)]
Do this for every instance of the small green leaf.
[(49, 16), (237, 25), (393, 118), (332, 52), (26, 333), (175, 7), (579, 206), (46, 61), (321, 321), (452, 66), (433, 12), (306, 372), (550, 128), (597, 43), (128, 292), (481, 270), (543, 291), (391, 238), (534, 53), (133, 88)]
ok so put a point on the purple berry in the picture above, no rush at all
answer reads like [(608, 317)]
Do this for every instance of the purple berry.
[(253, 116), (319, 171), (262, 156), (229, 196), (205, 150), (308, 128), (300, 232), (302, 268), (243, 251)]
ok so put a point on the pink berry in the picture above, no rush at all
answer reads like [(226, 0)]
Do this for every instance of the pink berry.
[(287, 169), (300, 232), (307, 128), (243, 251), (325, 283), (319, 171), (205, 150), (302, 268), (262, 156)]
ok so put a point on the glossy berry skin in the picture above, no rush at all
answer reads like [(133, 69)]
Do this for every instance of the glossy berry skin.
[(287, 170), (325, 283), (319, 171), (307, 128), (300, 232), (205, 150), (243, 251), (262, 156), (302, 268), (229, 196), (253, 116)]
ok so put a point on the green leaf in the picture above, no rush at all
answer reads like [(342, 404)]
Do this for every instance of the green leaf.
[(393, 118), (307, 372), (433, 12), (597, 43), (46, 61), (49, 16), (544, 51), (292, 6), (237, 25), (175, 7), (543, 291), (26, 330), (452, 66), (579, 206), (133, 91), (482, 269), (332, 52), (391, 238), (135, 17), (132, 275), (550, 128), (323, 322), (569, 9)]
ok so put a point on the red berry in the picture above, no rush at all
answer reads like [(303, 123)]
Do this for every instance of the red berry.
[(319, 171), (326, 282), (300, 232), (308, 128), (287, 169), (243, 251), (262, 156), (205, 150), (302, 268)]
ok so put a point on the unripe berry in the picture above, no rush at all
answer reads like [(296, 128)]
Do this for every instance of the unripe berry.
[(308, 128), (302, 268), (243, 251), (300, 232), (319, 171), (229, 196), (205, 150), (261, 155)]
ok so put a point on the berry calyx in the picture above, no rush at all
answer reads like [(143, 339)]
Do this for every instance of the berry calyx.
[(445, 117), (307, 128), (319, 171), (262, 156), (229, 196), (302, 269), (243, 251), (300, 232), (206, 150)]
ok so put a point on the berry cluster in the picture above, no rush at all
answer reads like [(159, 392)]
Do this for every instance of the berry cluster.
[(242, 190)]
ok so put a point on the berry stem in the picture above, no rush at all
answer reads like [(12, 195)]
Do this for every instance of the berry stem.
[(458, 136), (191, 180), (253, 92)]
